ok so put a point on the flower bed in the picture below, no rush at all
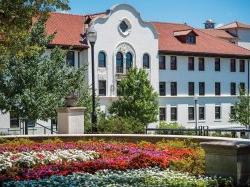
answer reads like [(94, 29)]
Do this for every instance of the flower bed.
[(139, 177), (54, 160)]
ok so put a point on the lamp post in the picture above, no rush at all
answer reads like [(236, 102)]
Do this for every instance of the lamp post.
[(92, 36), (248, 107), (195, 112)]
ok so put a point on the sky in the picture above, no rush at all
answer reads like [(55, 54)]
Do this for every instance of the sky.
[(192, 12)]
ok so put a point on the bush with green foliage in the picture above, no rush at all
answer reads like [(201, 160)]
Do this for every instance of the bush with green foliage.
[(120, 125)]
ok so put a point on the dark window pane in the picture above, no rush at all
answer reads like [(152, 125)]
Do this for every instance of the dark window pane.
[(201, 113), (173, 88), (233, 88), (123, 26), (242, 65), (232, 110), (162, 62), (190, 113), (242, 86), (70, 58), (191, 63), (191, 39), (118, 88), (173, 114), (201, 64), (129, 61), (102, 88), (119, 62), (162, 88), (217, 88), (217, 112), (233, 65), (173, 63), (191, 88), (102, 59), (14, 121), (162, 114), (201, 88), (217, 64), (146, 63)]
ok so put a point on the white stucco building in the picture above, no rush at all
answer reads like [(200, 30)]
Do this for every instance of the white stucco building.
[(182, 62)]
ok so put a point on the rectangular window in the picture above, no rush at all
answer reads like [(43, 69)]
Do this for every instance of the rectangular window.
[(162, 114), (190, 63), (242, 65), (162, 88), (217, 112), (14, 121), (233, 88), (190, 113), (242, 86), (118, 91), (201, 64), (233, 65), (217, 88), (201, 88), (173, 113), (102, 87), (217, 64), (191, 88), (162, 62), (173, 88), (201, 113), (70, 58), (232, 110), (173, 63)]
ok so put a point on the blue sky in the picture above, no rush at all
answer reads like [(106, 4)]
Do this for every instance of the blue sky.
[(193, 12)]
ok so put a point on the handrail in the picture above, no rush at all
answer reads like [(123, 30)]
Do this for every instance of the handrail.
[(51, 130)]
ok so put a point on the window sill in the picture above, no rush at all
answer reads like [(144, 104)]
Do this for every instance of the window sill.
[(218, 120), (202, 121)]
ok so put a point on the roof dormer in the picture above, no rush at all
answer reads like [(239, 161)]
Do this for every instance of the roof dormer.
[(186, 36)]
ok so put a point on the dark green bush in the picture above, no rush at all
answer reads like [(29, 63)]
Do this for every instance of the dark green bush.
[(120, 125)]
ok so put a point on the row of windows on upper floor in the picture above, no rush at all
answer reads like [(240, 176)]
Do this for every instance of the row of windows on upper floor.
[(70, 59), (191, 113), (202, 88), (201, 64), (102, 61)]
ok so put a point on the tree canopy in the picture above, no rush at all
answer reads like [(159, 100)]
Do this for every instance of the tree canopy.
[(138, 99)]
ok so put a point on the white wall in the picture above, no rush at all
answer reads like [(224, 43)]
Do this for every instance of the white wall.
[(182, 76), (142, 39), (244, 38)]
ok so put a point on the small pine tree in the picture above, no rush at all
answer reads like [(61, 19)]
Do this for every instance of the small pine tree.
[(138, 99)]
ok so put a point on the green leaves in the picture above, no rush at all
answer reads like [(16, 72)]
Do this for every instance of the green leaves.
[(241, 110), (35, 81), (138, 100)]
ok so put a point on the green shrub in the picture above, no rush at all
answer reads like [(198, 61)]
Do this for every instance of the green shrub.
[(120, 125)]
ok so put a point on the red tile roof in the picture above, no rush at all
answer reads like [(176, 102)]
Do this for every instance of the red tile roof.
[(205, 43), (218, 33), (70, 30), (235, 24)]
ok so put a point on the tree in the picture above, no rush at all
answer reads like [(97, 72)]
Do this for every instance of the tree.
[(241, 110), (138, 99), (17, 17), (33, 84)]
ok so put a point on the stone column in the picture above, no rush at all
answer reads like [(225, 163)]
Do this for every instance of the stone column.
[(228, 159), (70, 120)]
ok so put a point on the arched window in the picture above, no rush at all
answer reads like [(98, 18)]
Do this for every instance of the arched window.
[(119, 62), (102, 60), (146, 61), (129, 61)]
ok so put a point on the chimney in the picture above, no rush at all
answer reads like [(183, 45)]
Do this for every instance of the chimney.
[(209, 24)]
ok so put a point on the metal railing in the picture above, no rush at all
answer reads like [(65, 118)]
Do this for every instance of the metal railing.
[(202, 131), (37, 129)]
